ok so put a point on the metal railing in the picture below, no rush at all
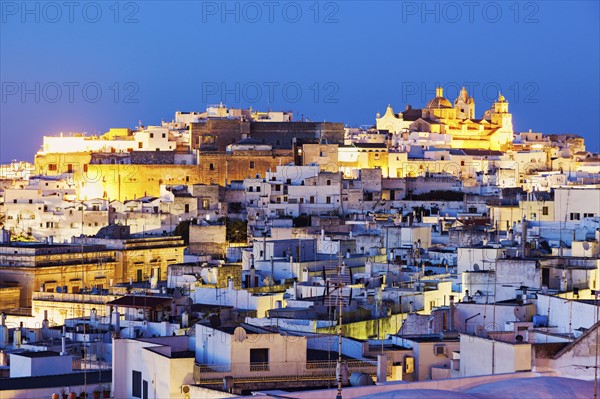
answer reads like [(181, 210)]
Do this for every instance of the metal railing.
[(281, 371), (88, 364), (259, 366)]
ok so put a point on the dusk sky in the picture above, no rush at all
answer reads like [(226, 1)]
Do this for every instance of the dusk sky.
[(99, 65)]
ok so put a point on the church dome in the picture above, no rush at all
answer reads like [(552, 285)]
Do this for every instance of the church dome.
[(439, 101)]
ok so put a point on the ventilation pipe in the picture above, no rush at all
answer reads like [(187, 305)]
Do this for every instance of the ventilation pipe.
[(451, 313), (252, 273), (3, 332), (63, 339), (524, 238)]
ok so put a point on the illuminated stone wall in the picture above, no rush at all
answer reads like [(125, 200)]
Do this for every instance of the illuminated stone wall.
[(126, 182)]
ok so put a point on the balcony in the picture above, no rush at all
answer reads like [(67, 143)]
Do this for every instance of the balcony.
[(281, 371), (259, 366)]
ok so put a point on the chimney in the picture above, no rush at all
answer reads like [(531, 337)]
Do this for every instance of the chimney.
[(45, 321), (117, 324), (381, 369), (17, 338), (252, 276)]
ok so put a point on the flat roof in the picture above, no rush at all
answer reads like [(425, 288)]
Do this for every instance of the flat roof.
[(37, 354), (140, 301), (58, 381)]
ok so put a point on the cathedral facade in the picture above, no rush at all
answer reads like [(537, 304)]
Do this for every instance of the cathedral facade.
[(494, 131)]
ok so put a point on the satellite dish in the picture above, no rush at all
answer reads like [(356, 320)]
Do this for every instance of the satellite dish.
[(519, 338), (215, 321), (520, 313), (586, 245), (476, 267), (240, 334)]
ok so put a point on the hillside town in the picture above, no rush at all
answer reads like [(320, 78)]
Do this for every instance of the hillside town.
[(241, 252)]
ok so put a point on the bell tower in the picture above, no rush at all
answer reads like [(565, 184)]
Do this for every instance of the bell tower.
[(500, 115), (464, 105)]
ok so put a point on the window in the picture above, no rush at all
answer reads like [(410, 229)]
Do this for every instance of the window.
[(588, 215), (279, 200), (186, 208), (312, 199), (545, 210), (439, 350), (328, 200), (205, 203), (211, 166), (70, 168), (31, 201), (52, 167), (302, 200), (328, 182), (164, 135), (574, 215), (259, 359), (140, 145), (136, 384), (251, 164), (151, 135), (250, 189)]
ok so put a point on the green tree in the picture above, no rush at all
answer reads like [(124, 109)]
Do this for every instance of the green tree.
[(236, 230), (183, 230)]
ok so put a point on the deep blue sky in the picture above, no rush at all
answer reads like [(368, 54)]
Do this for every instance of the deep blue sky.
[(172, 56)]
